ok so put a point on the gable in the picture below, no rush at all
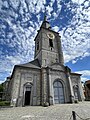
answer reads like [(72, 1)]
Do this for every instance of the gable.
[(33, 64), (57, 66)]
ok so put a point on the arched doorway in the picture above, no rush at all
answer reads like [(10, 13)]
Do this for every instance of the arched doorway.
[(58, 92), (27, 96)]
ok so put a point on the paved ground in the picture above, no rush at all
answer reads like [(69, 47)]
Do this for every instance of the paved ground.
[(56, 112)]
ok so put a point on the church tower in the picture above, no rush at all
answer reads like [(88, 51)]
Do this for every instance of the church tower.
[(48, 45)]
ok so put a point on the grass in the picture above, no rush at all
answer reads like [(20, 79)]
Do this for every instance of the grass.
[(4, 103)]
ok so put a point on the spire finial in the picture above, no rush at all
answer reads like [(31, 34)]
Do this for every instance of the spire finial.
[(45, 23), (45, 17)]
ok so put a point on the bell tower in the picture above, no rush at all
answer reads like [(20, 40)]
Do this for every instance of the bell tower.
[(48, 48)]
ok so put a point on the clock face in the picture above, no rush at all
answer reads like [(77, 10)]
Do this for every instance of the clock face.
[(50, 35)]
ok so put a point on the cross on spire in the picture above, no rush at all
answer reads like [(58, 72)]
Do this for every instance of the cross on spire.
[(45, 23), (45, 17)]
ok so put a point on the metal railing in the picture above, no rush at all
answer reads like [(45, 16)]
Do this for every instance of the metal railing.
[(75, 115)]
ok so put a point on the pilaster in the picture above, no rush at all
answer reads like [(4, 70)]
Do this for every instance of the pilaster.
[(15, 88), (82, 97), (50, 97), (44, 86), (70, 85)]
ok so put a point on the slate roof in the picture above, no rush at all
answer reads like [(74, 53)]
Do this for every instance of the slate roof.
[(32, 64), (76, 74)]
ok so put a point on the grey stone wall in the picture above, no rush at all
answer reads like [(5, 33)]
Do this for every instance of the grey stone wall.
[(76, 82), (23, 76), (49, 75), (62, 77), (15, 87)]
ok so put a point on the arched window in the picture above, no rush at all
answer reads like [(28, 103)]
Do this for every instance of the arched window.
[(50, 42), (58, 92)]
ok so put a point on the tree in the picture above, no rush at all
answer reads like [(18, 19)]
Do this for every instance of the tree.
[(1, 88)]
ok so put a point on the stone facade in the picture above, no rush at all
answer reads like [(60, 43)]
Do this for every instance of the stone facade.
[(87, 90), (45, 80)]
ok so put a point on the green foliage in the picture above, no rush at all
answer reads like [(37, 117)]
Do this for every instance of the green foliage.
[(1, 88), (4, 103)]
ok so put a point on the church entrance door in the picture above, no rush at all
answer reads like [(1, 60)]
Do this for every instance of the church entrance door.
[(27, 95), (58, 92)]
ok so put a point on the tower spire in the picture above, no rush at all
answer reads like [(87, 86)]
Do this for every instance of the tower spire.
[(45, 23), (45, 17)]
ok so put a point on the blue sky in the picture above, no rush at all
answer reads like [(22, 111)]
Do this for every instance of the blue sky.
[(20, 20)]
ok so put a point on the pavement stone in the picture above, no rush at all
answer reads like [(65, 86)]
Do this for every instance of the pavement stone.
[(55, 112)]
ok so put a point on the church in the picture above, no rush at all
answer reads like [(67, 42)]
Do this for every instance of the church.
[(45, 80)]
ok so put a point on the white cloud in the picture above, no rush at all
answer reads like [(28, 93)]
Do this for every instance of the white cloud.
[(83, 79), (1, 3), (6, 4), (14, 3), (78, 1), (85, 75), (14, 59), (67, 57), (75, 37), (52, 2), (59, 6), (49, 10), (84, 72), (35, 6), (56, 28), (2, 81), (74, 61)]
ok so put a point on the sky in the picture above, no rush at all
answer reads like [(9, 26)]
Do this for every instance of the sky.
[(20, 20)]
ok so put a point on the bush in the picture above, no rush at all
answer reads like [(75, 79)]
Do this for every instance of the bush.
[(4, 103), (1, 88)]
